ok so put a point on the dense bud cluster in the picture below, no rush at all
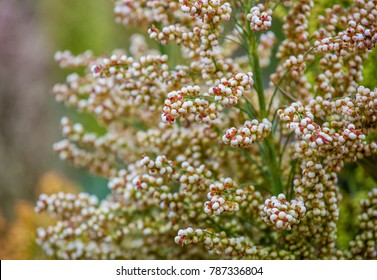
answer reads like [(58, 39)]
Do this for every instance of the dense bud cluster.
[(190, 103), (67, 60), (211, 11), (334, 143), (364, 245), (144, 12), (247, 134), (200, 39), (119, 84), (168, 129), (80, 216), (296, 43), (220, 243), (78, 142), (161, 165), (224, 196), (360, 34), (281, 213), (67, 205), (260, 18), (352, 40)]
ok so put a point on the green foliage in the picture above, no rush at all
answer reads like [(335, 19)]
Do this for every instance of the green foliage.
[(355, 184), (370, 69), (82, 25)]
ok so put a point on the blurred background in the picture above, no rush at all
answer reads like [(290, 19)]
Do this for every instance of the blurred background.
[(31, 31)]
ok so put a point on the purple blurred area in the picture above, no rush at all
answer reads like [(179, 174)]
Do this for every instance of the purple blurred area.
[(25, 102)]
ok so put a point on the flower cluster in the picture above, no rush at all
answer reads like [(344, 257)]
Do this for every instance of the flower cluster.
[(281, 213), (360, 34), (199, 38), (190, 103), (78, 142), (209, 11), (67, 204), (224, 196), (220, 243), (143, 12), (118, 84), (260, 18), (247, 134), (363, 246), (296, 31), (171, 125)]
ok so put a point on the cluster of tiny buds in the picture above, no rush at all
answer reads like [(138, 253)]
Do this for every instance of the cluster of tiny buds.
[(308, 130), (220, 243), (188, 174), (282, 214), (293, 112), (72, 131), (82, 158), (118, 66), (365, 101), (145, 12), (65, 204), (364, 245), (296, 65), (183, 233), (304, 127), (359, 35), (247, 134), (144, 182), (205, 108), (228, 91), (352, 134), (176, 33), (161, 165), (260, 18), (67, 60), (224, 196), (330, 45), (199, 35), (119, 84), (176, 105), (211, 11), (355, 37)]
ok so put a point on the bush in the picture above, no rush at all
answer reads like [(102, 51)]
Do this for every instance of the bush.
[(205, 159)]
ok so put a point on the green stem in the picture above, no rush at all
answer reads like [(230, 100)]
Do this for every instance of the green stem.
[(273, 159), (258, 78), (266, 148), (277, 186), (268, 145)]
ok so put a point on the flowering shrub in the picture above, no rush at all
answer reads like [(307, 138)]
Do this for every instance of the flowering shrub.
[(204, 159)]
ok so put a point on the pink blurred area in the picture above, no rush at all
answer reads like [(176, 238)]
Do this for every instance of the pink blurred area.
[(25, 102)]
